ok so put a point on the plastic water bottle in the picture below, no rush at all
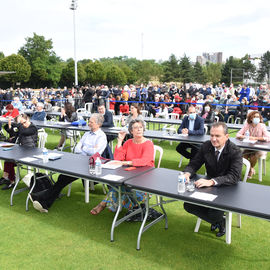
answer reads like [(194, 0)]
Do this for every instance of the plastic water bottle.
[(247, 135), (181, 183), (45, 155), (98, 168)]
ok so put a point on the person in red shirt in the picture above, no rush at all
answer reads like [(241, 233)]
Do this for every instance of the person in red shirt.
[(136, 152), (124, 109), (112, 102), (11, 111)]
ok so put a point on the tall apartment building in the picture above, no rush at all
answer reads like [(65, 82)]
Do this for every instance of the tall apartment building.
[(210, 57)]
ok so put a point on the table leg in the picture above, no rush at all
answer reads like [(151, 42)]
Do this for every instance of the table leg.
[(86, 190), (117, 213), (228, 227), (28, 195), (17, 180)]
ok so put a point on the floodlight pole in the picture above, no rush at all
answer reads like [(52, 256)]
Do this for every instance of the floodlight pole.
[(74, 7)]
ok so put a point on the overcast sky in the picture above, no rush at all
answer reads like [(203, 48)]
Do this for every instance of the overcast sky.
[(108, 28)]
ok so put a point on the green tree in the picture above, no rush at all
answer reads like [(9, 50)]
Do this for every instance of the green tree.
[(2, 55), (213, 73), (95, 72), (130, 74), (45, 65), (68, 74), (115, 76), (147, 70), (264, 70), (237, 69), (171, 69), (198, 74), (186, 70), (18, 64)]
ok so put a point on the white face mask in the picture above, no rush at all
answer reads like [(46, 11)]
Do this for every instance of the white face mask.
[(207, 109), (256, 120)]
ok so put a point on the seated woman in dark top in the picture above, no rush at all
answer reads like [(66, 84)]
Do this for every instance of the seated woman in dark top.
[(68, 114), (208, 113), (27, 135)]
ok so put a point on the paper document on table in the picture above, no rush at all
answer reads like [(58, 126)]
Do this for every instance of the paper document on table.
[(112, 177), (203, 196), (51, 156), (117, 128), (183, 135), (112, 165), (63, 123), (28, 159), (249, 141)]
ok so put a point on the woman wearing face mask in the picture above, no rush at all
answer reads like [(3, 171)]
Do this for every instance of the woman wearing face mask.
[(257, 131), (208, 113)]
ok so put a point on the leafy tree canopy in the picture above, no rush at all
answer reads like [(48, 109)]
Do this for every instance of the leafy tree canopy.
[(18, 64)]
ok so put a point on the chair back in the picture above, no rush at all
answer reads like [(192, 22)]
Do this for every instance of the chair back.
[(42, 138), (81, 110), (144, 113), (88, 106), (205, 129), (174, 116), (107, 153), (160, 150)]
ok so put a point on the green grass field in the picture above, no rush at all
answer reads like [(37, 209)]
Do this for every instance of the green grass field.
[(69, 237)]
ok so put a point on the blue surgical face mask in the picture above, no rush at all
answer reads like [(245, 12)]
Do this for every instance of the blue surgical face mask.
[(192, 116), (256, 120)]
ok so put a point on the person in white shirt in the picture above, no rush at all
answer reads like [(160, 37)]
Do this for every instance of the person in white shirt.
[(92, 142)]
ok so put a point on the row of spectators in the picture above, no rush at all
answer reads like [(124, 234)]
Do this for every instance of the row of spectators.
[(158, 100)]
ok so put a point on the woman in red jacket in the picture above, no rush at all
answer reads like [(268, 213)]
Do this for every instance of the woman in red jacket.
[(11, 111), (136, 152)]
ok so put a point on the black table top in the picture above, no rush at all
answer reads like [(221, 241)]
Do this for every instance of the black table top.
[(71, 164), (244, 198)]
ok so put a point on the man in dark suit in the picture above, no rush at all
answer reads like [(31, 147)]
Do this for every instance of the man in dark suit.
[(191, 125), (108, 119), (223, 163)]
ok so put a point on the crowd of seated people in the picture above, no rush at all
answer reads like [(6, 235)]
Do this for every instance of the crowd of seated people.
[(157, 100)]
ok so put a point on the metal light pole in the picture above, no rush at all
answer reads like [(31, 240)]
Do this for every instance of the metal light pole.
[(73, 7)]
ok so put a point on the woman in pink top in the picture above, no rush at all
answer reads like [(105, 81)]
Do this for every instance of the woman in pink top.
[(257, 131), (136, 152)]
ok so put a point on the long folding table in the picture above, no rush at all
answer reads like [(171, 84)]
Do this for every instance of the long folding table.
[(243, 198), (72, 165)]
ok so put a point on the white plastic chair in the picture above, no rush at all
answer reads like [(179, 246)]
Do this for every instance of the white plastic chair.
[(230, 119), (160, 150), (174, 116), (237, 120), (229, 214), (81, 110), (88, 106), (144, 113), (216, 118)]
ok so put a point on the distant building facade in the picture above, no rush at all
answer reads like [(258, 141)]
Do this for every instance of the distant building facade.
[(215, 58)]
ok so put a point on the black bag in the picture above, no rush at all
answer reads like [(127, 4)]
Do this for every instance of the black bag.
[(42, 182)]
